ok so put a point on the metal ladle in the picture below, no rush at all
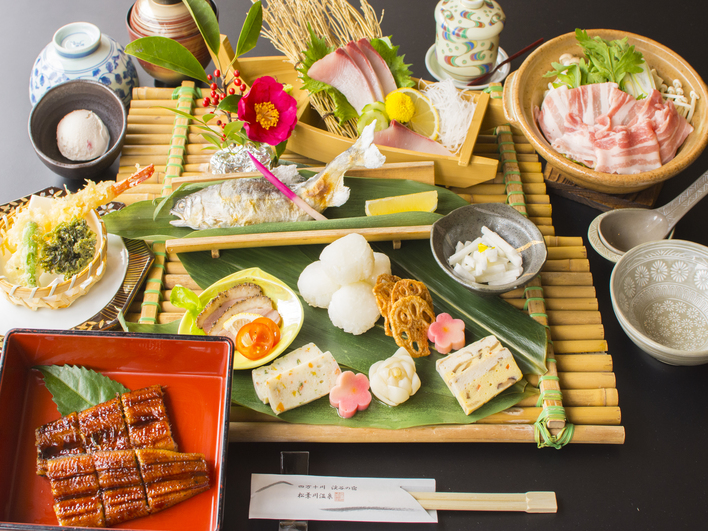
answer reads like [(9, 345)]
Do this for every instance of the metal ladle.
[(623, 229)]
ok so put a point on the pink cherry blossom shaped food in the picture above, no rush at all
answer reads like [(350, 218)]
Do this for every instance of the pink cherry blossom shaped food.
[(350, 394), (268, 112), (447, 333)]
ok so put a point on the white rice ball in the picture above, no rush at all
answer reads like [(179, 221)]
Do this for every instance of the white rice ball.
[(315, 285), (382, 266), (348, 259), (353, 308)]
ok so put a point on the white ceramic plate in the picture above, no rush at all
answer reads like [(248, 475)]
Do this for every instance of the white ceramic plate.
[(431, 63), (83, 308)]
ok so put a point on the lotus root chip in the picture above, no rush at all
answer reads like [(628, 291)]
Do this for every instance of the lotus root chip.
[(408, 287), (382, 292), (410, 318)]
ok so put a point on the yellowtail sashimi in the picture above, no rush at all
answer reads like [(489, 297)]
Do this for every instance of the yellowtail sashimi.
[(250, 201)]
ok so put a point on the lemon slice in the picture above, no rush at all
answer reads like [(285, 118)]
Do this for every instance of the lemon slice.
[(420, 202), (235, 322), (426, 120)]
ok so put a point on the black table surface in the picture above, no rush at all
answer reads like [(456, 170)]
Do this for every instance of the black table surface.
[(656, 480)]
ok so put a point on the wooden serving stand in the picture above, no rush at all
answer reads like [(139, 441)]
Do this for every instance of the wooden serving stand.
[(562, 297)]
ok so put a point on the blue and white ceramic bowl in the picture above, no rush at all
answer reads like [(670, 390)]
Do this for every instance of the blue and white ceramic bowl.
[(80, 51)]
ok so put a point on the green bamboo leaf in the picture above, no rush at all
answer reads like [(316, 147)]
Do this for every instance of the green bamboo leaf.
[(207, 23), (230, 103), (169, 54), (251, 30), (78, 388)]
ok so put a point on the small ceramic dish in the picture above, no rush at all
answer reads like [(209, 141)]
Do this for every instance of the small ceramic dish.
[(59, 101), (196, 374), (285, 300), (659, 294), (465, 224), (431, 63), (524, 91)]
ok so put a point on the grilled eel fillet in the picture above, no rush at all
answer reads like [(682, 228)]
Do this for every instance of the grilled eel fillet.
[(138, 419), (146, 418), (59, 438), (122, 489), (77, 501), (109, 487)]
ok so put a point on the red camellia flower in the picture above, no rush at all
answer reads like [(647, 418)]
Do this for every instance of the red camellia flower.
[(268, 111)]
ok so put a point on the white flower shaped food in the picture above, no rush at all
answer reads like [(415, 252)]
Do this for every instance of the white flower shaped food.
[(394, 380)]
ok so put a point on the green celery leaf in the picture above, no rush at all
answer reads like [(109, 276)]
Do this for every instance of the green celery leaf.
[(78, 388), (167, 53), (399, 69), (206, 21), (251, 30)]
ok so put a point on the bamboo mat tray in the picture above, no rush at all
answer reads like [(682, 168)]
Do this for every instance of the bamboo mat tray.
[(562, 297)]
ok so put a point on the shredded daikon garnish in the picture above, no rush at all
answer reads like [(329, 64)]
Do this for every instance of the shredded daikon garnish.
[(488, 259), (455, 112)]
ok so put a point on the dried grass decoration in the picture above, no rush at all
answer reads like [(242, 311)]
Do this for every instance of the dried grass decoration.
[(287, 25)]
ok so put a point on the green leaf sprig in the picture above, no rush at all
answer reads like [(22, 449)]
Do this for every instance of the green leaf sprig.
[(75, 388)]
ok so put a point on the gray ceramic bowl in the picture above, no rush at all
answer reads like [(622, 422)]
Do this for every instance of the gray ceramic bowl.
[(60, 101), (465, 223), (659, 294)]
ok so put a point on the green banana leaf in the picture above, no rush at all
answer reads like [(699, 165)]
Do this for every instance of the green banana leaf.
[(138, 222), (433, 404)]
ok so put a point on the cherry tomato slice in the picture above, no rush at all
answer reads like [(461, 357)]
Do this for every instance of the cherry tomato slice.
[(271, 324), (255, 340)]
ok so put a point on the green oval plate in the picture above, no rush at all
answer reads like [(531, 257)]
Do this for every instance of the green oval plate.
[(286, 302)]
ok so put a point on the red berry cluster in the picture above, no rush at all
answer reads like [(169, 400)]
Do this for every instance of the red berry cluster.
[(218, 93)]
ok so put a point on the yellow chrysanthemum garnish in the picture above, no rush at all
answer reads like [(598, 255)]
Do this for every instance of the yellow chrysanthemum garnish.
[(399, 107)]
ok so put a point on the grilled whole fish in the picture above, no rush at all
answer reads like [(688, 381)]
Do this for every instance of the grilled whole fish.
[(250, 201)]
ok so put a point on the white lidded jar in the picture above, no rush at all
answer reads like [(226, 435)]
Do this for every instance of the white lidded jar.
[(467, 36)]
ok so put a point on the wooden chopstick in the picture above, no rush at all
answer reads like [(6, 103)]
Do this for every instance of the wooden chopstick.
[(530, 502)]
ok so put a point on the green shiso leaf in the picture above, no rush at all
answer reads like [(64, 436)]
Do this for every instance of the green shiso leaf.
[(206, 21), (250, 30), (399, 69), (76, 388), (167, 53), (318, 49)]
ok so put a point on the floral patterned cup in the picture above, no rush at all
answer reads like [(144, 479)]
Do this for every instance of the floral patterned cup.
[(467, 36), (660, 295)]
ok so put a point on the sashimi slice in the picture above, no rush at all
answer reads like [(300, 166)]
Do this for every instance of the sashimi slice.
[(365, 66), (340, 71), (383, 72), (399, 136)]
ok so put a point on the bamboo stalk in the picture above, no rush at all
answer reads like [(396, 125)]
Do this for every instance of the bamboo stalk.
[(183, 280), (577, 332), (579, 346), (278, 432), (556, 318), (378, 234), (584, 362), (546, 230), (567, 264), (528, 502), (562, 291), (581, 380), (563, 241), (560, 253), (581, 397), (565, 305), (541, 201), (566, 278), (151, 297)]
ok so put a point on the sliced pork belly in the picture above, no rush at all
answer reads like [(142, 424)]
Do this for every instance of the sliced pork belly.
[(383, 72), (608, 130), (365, 66), (216, 307), (340, 71), (399, 136)]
